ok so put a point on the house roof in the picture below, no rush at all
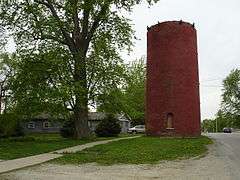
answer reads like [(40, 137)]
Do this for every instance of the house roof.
[(43, 116), (96, 116), (93, 116)]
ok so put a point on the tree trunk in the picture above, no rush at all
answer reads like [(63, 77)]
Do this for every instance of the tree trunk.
[(0, 104), (81, 123), (81, 94)]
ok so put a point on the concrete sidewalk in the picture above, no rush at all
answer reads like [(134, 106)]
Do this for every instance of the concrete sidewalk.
[(14, 164), (88, 145), (10, 165)]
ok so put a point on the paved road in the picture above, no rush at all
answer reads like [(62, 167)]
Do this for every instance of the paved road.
[(228, 149)]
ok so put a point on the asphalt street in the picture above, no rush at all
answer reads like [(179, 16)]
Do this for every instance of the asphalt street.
[(228, 149)]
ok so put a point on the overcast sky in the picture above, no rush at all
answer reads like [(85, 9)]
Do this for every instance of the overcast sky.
[(218, 26)]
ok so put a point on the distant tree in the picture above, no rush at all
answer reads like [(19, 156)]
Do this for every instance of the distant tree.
[(208, 125), (3, 38), (230, 106), (111, 100), (223, 120), (129, 97), (7, 72), (135, 91), (84, 29)]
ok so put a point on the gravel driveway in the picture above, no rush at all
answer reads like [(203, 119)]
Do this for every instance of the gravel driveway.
[(214, 166)]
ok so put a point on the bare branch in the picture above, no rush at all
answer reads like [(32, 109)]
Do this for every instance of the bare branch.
[(76, 32), (42, 35), (85, 23), (97, 20), (50, 37), (93, 70), (66, 35), (69, 109)]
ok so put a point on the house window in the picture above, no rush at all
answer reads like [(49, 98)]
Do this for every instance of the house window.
[(46, 124), (31, 125), (170, 121)]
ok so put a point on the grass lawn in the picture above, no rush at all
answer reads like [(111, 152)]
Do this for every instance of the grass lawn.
[(34, 144), (143, 150)]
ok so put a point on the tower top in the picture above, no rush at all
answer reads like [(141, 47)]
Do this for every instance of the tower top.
[(181, 22)]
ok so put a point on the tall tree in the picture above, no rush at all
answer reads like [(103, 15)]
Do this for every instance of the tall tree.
[(7, 71), (2, 37), (129, 97), (208, 125), (80, 26), (135, 90), (230, 106), (44, 82)]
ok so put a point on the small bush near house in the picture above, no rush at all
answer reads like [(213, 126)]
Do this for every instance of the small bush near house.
[(67, 131), (108, 127), (137, 121), (10, 126), (18, 130)]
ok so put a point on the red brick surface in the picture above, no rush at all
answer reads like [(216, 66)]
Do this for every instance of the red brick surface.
[(172, 80)]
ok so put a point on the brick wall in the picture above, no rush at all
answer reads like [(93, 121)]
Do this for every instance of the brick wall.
[(172, 80)]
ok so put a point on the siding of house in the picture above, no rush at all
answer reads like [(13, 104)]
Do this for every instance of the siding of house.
[(55, 126), (125, 125)]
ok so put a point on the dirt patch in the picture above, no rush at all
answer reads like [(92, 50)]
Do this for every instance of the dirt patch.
[(210, 167)]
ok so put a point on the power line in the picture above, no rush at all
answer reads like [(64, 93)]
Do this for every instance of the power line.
[(207, 80), (211, 85)]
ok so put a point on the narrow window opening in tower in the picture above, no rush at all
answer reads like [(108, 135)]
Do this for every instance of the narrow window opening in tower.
[(170, 121)]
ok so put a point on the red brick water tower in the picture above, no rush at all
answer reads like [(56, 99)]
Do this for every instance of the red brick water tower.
[(172, 96)]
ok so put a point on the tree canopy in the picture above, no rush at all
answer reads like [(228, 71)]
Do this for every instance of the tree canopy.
[(82, 35), (230, 106), (229, 113), (130, 96)]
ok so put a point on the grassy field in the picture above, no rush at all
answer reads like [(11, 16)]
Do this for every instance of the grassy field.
[(29, 145), (143, 150)]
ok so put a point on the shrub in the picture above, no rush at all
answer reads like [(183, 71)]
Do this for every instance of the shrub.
[(109, 126), (67, 130), (18, 130), (10, 125), (137, 121)]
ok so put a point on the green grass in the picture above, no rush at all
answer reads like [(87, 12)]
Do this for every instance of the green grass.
[(34, 144), (143, 150)]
